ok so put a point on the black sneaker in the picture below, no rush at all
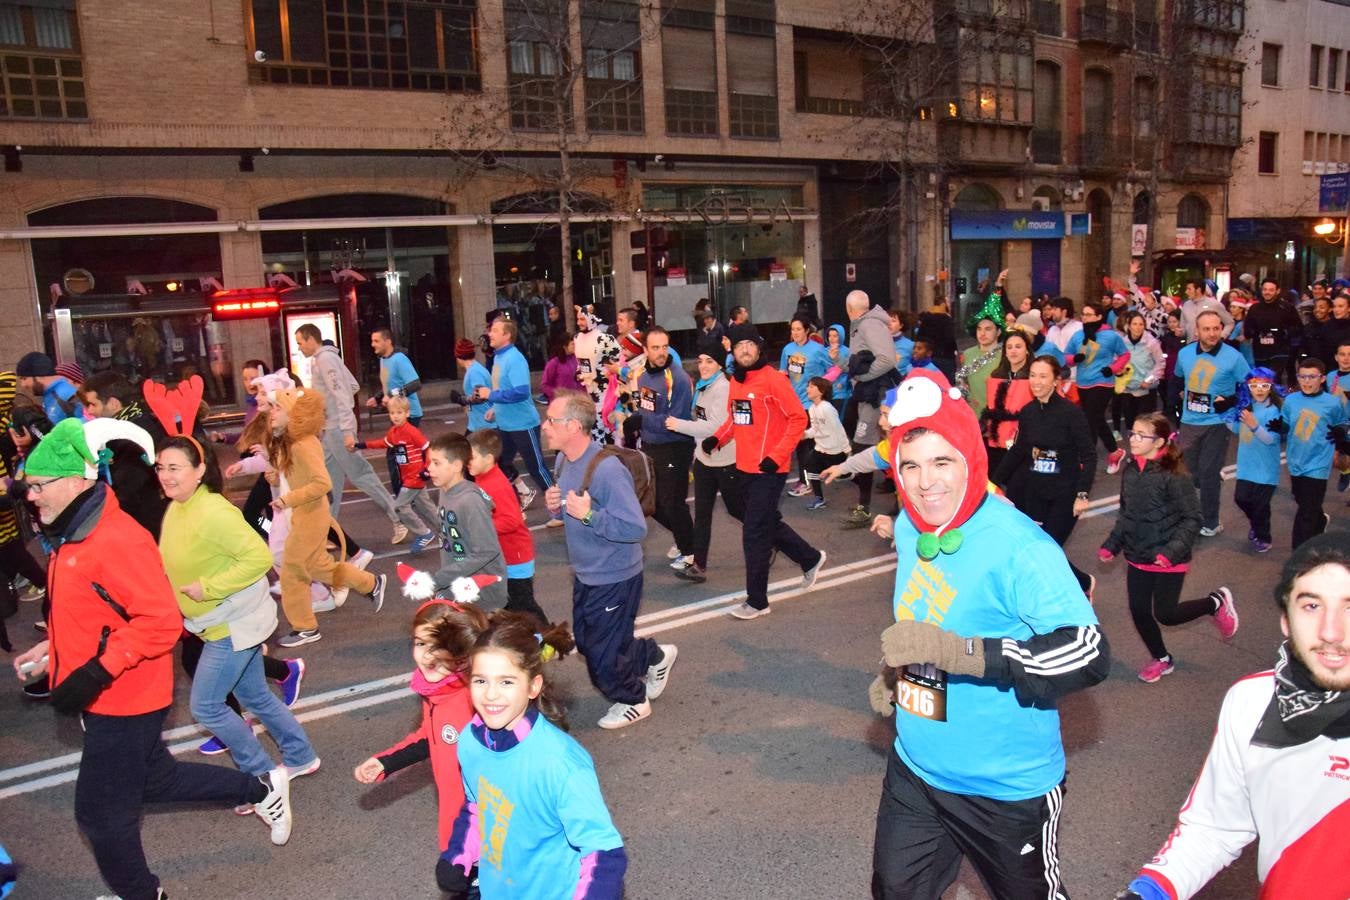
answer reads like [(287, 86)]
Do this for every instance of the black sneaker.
[(692, 572), (297, 638), (377, 592), (38, 688), (40, 626)]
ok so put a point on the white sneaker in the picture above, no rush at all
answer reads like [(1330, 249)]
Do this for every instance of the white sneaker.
[(682, 562), (527, 495), (327, 604), (362, 559), (275, 808), (810, 575), (294, 772), (1206, 531), (673, 553), (621, 715), (275, 589), (746, 611), (658, 674), (339, 595)]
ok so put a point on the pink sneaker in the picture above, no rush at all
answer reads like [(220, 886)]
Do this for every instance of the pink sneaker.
[(1225, 615), (1113, 461), (1155, 670)]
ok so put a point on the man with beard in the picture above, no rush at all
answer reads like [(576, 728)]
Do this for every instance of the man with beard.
[(1278, 771)]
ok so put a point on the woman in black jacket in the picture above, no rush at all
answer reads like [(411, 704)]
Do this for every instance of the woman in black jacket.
[(1048, 471), (1157, 526)]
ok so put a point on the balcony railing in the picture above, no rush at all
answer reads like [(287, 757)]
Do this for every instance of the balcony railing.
[(1102, 150), (1045, 146), (1045, 16), (1099, 25), (832, 106)]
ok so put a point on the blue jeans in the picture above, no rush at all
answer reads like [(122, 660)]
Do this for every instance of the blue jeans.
[(222, 670)]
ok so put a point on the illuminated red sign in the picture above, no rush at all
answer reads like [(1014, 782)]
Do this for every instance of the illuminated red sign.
[(245, 303)]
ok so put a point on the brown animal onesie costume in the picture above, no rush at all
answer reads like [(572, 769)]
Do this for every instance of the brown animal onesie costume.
[(297, 456)]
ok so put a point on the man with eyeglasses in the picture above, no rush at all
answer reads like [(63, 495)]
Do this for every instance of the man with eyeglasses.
[(112, 628), (1208, 371), (1315, 422)]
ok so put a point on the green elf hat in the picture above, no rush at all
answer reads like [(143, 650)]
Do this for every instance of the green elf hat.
[(75, 448)]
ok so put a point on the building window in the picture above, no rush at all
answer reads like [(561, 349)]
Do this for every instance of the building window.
[(420, 45), (532, 71), (1333, 70), (612, 39), (1315, 66), (1214, 115), (1045, 133), (997, 82), (41, 72), (1267, 151), (1193, 212), (752, 86), (689, 60), (1270, 65)]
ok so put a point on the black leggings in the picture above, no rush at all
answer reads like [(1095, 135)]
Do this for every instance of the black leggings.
[(1155, 599), (1132, 407), (1054, 513), (16, 560), (520, 598), (817, 462), (1094, 401), (273, 669)]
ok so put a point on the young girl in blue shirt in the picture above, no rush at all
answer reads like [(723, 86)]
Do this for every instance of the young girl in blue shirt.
[(535, 822), (1258, 455)]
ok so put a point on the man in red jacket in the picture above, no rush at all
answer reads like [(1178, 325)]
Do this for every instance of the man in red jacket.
[(113, 624), (766, 420)]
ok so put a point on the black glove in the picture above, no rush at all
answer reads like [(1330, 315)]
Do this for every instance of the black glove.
[(1079, 357), (78, 689), (457, 397), (709, 444), (1223, 404), (1277, 426), (768, 466), (452, 879), (1107, 372)]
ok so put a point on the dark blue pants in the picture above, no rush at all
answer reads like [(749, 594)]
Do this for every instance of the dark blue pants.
[(525, 443), (126, 765), (763, 531), (602, 623)]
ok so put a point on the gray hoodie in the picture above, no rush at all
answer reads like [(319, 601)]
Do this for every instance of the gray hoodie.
[(334, 380), (709, 411), (872, 331), (469, 543)]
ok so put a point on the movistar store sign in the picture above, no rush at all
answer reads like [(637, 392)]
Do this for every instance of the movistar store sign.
[(1006, 224)]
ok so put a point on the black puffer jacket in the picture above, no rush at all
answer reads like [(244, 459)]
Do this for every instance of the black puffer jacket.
[(1159, 514)]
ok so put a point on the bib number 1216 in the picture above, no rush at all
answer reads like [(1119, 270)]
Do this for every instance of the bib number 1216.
[(922, 691)]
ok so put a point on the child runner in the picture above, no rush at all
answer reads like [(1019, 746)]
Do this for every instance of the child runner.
[(443, 633), (413, 506), (838, 351), (468, 541), (1338, 383), (1158, 523), (535, 822), (509, 522), (1258, 455), (830, 445), (476, 375), (1310, 418)]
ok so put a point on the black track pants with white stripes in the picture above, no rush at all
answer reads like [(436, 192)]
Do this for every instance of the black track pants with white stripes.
[(922, 834)]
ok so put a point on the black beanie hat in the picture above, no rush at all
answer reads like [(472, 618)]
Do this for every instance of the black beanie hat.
[(744, 332)]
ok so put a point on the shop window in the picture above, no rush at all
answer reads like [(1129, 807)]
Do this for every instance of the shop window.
[(1270, 65), (612, 39), (1267, 146), (689, 60), (41, 71), (426, 45)]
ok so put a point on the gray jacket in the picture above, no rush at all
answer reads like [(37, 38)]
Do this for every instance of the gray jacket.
[(334, 380), (872, 331), (710, 410)]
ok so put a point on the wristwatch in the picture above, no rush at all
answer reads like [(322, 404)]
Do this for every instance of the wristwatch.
[(1082, 495), (586, 519)]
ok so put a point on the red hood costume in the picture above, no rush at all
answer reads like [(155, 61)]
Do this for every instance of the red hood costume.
[(927, 400)]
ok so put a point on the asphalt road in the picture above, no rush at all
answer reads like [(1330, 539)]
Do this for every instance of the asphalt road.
[(757, 775)]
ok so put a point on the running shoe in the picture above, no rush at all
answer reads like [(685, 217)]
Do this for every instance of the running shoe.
[(1155, 670), (801, 490), (658, 673), (621, 715), (818, 503), (275, 808), (1225, 613), (377, 592), (673, 552), (1260, 546), (32, 593), (323, 604), (1211, 531), (527, 493), (299, 638), (212, 746), (40, 625), (400, 533), (1343, 482), (683, 562), (361, 559), (809, 575), (746, 612), (339, 595), (422, 542), (309, 768), (1113, 461), (858, 517), (290, 685), (692, 572)]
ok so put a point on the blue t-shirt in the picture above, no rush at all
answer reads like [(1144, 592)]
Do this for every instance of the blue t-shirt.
[(57, 393), (1244, 347), (801, 363), (540, 811), (1307, 451), (1097, 353), (904, 350), (1258, 455), (1009, 579), (1205, 376), (477, 376), (398, 370), (843, 387), (512, 401)]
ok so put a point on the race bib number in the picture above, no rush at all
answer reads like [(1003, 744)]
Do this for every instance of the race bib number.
[(105, 351), (1199, 403), (700, 414), (922, 691), (1266, 339), (647, 400), (1044, 462), (740, 413), (584, 366), (796, 366)]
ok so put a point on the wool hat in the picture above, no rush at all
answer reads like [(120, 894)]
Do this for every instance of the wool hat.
[(74, 448), (465, 349), (71, 372), (744, 332), (35, 364)]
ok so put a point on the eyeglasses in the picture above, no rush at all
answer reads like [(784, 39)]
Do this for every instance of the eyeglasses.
[(1143, 436), (1309, 377), (36, 487), (557, 420)]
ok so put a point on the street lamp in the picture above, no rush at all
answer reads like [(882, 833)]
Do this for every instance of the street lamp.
[(1334, 232)]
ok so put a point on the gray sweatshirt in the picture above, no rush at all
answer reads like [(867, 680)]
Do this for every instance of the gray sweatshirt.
[(710, 410), (872, 331), (469, 542), (609, 549), (334, 380)]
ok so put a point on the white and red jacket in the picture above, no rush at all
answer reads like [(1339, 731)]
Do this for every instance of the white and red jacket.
[(1295, 801)]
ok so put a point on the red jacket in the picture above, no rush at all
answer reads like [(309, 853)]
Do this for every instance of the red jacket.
[(445, 718), (410, 449), (105, 546), (507, 519), (766, 417)]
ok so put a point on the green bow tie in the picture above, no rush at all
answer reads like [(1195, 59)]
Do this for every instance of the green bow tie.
[(929, 545)]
